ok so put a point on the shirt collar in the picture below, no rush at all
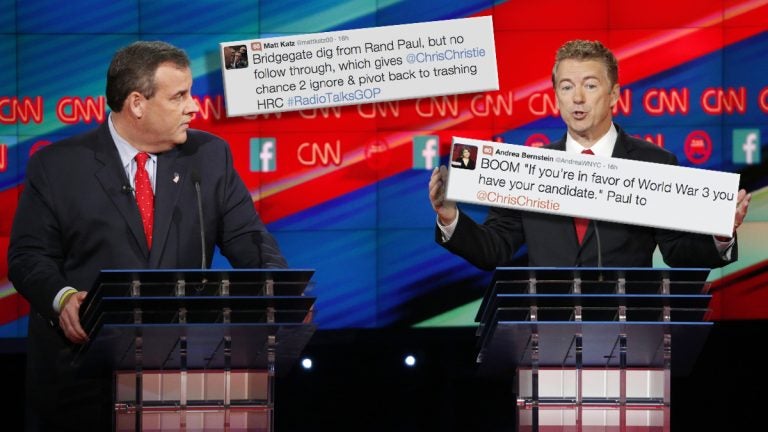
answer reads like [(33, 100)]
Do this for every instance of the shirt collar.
[(124, 148), (603, 147)]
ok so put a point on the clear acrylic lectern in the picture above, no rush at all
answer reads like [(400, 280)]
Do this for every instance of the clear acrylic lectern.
[(591, 348), (196, 349)]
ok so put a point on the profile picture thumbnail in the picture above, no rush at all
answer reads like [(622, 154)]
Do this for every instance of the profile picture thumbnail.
[(235, 57), (464, 156)]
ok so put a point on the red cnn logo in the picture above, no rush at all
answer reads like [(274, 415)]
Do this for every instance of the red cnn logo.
[(3, 157), (488, 150)]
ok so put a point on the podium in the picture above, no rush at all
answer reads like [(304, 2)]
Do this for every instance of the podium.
[(591, 348), (196, 349)]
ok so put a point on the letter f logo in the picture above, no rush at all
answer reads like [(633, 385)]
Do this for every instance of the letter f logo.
[(746, 146), (263, 155), (426, 152)]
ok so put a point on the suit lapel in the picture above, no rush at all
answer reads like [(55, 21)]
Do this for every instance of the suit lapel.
[(112, 177), (558, 145), (622, 149), (171, 176)]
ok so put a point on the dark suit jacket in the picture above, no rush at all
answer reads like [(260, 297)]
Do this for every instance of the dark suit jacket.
[(76, 217), (551, 239)]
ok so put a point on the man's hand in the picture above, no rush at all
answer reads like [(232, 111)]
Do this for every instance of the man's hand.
[(742, 205), (446, 210), (69, 318)]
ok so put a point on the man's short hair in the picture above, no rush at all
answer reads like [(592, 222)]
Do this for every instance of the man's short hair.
[(587, 50), (133, 69)]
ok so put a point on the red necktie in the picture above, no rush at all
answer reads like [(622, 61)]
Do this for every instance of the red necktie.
[(581, 224), (144, 196)]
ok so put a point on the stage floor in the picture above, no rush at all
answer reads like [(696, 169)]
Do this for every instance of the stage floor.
[(359, 382)]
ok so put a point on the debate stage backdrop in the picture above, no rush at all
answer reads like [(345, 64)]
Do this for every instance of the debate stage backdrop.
[(346, 193)]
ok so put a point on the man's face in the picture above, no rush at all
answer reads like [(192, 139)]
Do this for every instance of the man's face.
[(168, 113), (585, 98)]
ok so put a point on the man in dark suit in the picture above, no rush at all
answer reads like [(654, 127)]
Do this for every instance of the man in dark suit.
[(585, 78), (78, 214)]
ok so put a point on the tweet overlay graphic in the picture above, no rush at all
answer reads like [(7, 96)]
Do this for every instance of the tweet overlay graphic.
[(746, 146), (263, 154), (359, 66), (426, 152), (615, 190)]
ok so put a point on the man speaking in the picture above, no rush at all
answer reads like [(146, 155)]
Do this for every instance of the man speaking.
[(122, 196), (585, 79)]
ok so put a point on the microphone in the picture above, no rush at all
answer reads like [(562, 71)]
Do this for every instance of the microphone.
[(196, 180), (126, 189), (599, 248)]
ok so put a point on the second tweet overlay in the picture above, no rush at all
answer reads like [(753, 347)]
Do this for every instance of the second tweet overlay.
[(611, 189)]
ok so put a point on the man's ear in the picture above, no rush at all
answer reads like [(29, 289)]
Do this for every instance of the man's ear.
[(135, 103), (615, 94)]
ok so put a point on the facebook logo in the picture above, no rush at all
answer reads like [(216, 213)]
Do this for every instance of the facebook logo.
[(746, 146), (263, 154), (426, 152)]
